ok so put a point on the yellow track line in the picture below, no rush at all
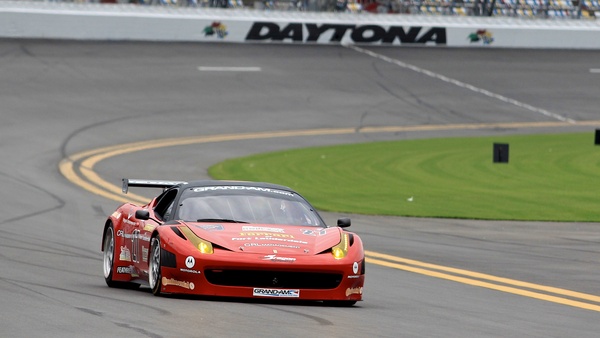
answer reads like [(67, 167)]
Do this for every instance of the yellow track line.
[(91, 181), (573, 294), (474, 282)]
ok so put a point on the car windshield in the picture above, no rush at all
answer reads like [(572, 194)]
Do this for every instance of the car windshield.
[(246, 205)]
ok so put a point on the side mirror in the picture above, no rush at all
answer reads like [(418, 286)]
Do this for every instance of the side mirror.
[(344, 222), (143, 214)]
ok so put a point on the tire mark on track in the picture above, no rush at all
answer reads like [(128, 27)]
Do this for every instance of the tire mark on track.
[(461, 84)]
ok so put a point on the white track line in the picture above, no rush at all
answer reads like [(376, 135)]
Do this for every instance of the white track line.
[(462, 84)]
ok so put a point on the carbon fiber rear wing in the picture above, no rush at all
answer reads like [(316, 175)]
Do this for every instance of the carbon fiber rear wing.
[(127, 182)]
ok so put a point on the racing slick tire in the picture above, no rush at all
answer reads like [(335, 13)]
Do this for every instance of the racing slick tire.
[(154, 267), (109, 261)]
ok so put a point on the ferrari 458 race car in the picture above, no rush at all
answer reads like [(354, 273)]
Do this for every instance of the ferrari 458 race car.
[(234, 239)]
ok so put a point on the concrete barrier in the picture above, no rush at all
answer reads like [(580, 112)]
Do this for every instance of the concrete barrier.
[(48, 20)]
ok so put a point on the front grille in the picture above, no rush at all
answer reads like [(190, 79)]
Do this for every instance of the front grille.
[(274, 279)]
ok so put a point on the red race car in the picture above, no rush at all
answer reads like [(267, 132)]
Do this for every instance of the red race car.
[(234, 239)]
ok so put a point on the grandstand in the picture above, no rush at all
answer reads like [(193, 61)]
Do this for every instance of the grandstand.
[(526, 9)]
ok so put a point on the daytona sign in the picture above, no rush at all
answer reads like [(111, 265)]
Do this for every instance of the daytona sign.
[(310, 32)]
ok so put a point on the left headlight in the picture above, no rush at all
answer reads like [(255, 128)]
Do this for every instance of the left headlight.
[(203, 246), (341, 249)]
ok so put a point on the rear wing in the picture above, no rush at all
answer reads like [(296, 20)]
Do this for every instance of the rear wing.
[(148, 184)]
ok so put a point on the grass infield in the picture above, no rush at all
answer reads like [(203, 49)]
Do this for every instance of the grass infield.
[(547, 178)]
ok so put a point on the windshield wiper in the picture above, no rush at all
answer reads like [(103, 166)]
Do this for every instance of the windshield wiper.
[(219, 220)]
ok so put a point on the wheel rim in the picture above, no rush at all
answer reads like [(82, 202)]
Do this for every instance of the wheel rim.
[(109, 252), (154, 270)]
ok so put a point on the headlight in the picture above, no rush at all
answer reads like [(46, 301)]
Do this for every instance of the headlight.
[(341, 250), (203, 246)]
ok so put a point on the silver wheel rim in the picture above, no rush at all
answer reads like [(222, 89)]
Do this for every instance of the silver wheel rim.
[(154, 264), (109, 252)]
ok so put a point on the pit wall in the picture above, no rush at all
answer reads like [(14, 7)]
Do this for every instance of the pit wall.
[(47, 20)]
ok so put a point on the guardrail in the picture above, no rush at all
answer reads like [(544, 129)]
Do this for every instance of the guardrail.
[(51, 20)]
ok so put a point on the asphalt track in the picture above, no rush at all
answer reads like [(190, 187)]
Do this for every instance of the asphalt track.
[(76, 117)]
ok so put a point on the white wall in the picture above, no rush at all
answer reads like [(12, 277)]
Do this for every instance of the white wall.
[(131, 22)]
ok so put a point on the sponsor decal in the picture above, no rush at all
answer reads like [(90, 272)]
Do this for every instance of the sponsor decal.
[(268, 234), (355, 268), (170, 281), (354, 276), (275, 258), (144, 254), (127, 221), (228, 187), (481, 36), (354, 291), (149, 227), (271, 245), (190, 271), (310, 232), (128, 270), (253, 228), (124, 269), (121, 233), (311, 32), (216, 28), (190, 262), (116, 215), (284, 293), (268, 239), (125, 254), (211, 227)]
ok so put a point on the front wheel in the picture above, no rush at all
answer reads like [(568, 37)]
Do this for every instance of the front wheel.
[(154, 268)]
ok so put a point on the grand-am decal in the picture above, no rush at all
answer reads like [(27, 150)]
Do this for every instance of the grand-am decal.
[(275, 258), (276, 293), (170, 281), (310, 32)]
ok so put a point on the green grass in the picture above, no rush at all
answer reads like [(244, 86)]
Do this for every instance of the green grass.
[(548, 177)]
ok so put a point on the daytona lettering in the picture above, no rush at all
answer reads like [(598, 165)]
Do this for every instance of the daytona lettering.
[(309, 32)]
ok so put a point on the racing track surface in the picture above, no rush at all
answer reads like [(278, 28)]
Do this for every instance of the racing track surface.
[(59, 99)]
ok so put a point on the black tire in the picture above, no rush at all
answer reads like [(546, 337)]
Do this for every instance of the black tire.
[(109, 261), (154, 267)]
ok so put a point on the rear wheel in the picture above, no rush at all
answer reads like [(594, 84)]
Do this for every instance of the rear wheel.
[(154, 268), (109, 261)]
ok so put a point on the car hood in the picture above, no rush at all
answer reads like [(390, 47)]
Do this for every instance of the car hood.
[(268, 238)]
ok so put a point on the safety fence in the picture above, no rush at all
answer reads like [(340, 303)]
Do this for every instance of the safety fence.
[(532, 9)]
